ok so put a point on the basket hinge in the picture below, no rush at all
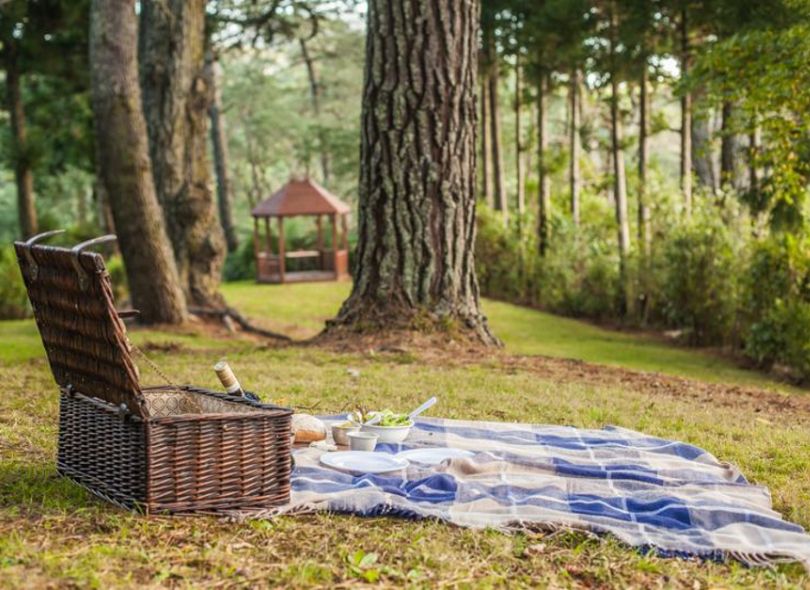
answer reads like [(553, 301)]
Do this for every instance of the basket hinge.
[(84, 279), (33, 267)]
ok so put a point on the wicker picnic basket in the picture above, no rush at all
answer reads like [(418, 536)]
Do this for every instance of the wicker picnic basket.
[(159, 449)]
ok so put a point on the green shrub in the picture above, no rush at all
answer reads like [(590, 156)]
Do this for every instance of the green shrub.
[(118, 277), (777, 309), (241, 264), (700, 280), (13, 298)]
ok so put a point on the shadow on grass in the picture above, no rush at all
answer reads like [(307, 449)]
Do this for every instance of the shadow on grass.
[(38, 487)]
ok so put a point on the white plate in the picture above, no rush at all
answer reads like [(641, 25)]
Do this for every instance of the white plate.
[(363, 461), (433, 455)]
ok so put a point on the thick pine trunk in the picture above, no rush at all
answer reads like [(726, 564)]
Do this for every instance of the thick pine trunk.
[(495, 129), (644, 234), (175, 102), (702, 149), (416, 234), (486, 146), (686, 119), (544, 180), (315, 98), (24, 178), (574, 177), (619, 176), (124, 163), (219, 143)]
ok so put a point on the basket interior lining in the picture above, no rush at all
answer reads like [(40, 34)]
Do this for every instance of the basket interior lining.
[(167, 402)]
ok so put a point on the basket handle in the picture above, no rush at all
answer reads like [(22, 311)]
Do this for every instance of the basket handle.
[(32, 264), (84, 280)]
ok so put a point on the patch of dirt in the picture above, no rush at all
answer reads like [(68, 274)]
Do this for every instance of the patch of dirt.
[(441, 349)]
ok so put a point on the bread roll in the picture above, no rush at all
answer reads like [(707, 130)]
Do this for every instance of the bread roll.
[(307, 428)]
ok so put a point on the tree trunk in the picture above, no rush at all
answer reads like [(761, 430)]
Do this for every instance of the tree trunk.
[(486, 146), (619, 177), (219, 143), (702, 152), (644, 235), (574, 180), (544, 179), (729, 149), (686, 119), (495, 130), (315, 98), (519, 162), (754, 139), (26, 210), (175, 103), (416, 235), (124, 163)]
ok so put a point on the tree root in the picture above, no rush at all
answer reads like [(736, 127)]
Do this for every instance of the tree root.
[(227, 314)]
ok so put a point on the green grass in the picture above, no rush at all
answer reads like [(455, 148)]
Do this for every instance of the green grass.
[(53, 534), (301, 310)]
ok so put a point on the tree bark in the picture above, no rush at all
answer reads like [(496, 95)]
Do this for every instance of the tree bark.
[(124, 163), (619, 176), (486, 146), (175, 103), (702, 152), (686, 118), (23, 176), (644, 235), (495, 130), (729, 149), (416, 234), (519, 162), (315, 98), (219, 144), (544, 179), (574, 179)]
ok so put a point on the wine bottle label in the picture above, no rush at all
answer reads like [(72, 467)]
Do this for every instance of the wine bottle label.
[(227, 378)]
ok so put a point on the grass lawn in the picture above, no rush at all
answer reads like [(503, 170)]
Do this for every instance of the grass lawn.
[(53, 534)]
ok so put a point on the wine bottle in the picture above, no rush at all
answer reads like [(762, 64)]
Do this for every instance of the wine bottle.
[(228, 379)]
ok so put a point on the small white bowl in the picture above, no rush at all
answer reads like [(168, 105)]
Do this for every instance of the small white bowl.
[(362, 441), (389, 434)]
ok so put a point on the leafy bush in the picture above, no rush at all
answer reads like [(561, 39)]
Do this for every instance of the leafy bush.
[(13, 298), (777, 306), (240, 265), (700, 280)]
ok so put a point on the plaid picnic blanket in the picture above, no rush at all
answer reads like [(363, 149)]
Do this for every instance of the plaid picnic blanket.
[(649, 492)]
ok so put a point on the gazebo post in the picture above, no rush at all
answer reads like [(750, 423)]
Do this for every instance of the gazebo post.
[(334, 244), (319, 225), (268, 236), (345, 230), (281, 252), (256, 239)]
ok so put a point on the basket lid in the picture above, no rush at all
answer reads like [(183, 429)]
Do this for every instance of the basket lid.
[(85, 339)]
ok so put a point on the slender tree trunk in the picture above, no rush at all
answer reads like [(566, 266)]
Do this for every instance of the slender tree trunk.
[(686, 118), (175, 102), (495, 130), (124, 163), (753, 149), (315, 97), (644, 234), (26, 210), (486, 145), (519, 162), (574, 179), (729, 149), (416, 230), (702, 152), (619, 175), (219, 143), (544, 179)]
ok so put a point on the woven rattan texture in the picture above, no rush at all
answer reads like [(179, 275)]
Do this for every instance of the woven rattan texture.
[(101, 449), (84, 338)]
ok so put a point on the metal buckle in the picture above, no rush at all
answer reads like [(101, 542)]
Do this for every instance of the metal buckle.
[(84, 279)]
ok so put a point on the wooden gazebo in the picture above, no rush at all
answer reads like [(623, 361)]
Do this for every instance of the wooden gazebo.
[(327, 262)]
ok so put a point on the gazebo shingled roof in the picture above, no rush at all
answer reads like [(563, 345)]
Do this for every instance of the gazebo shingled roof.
[(300, 197)]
